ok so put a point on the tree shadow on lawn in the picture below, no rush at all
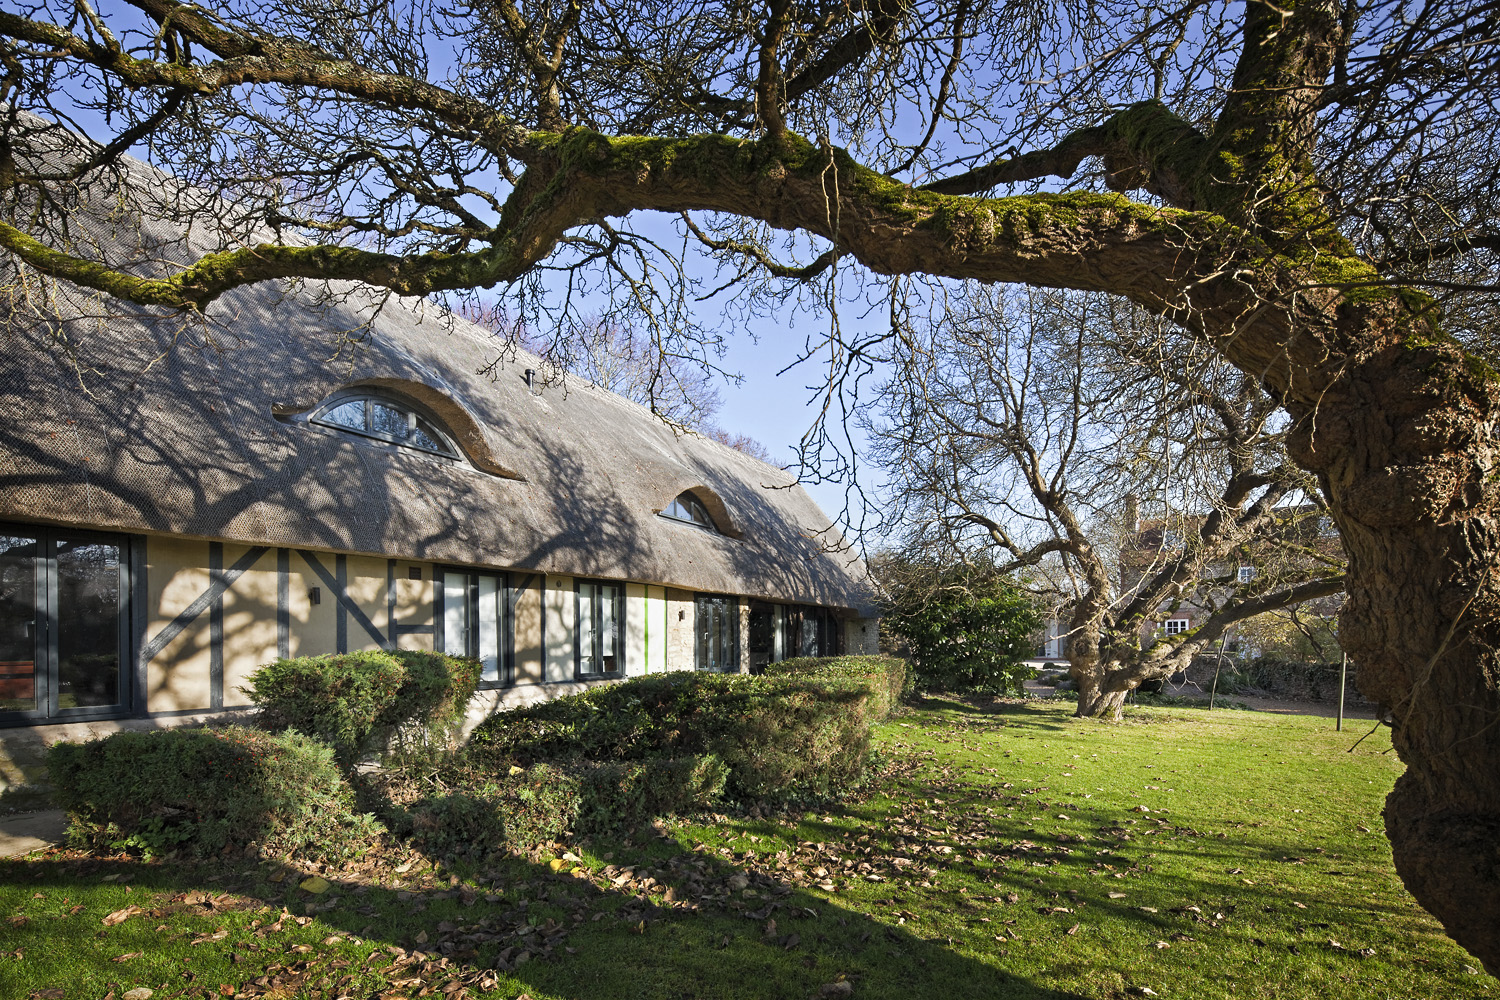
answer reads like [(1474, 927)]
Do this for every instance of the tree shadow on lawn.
[(979, 712), (544, 930), (1166, 877)]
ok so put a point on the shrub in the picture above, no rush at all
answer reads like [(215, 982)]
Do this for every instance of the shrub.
[(207, 790), (351, 701), (547, 801), (888, 676), (965, 628), (779, 736), (435, 694), (340, 699)]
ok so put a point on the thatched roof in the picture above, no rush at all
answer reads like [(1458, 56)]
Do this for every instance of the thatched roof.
[(115, 417)]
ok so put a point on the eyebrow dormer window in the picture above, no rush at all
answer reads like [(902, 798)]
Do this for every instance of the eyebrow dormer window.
[(385, 418), (689, 508)]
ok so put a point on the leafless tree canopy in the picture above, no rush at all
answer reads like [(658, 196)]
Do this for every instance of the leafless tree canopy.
[(1309, 187), (1121, 470)]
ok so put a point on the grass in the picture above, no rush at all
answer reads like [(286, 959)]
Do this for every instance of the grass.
[(1012, 852)]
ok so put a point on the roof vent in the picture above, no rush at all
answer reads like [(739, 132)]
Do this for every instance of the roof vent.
[(530, 375)]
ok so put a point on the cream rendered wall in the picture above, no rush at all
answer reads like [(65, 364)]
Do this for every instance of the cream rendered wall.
[(365, 584), (562, 610), (177, 678), (654, 629), (682, 651), (314, 627), (530, 656), (249, 622), (635, 630), (414, 603)]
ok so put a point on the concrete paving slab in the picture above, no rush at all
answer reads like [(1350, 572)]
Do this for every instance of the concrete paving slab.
[(27, 832)]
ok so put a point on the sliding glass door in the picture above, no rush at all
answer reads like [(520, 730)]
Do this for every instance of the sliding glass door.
[(64, 633), (718, 628)]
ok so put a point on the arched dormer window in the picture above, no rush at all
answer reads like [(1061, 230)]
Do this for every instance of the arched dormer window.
[(689, 508), (385, 417)]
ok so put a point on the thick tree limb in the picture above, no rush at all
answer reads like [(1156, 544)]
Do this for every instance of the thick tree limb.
[(1145, 146)]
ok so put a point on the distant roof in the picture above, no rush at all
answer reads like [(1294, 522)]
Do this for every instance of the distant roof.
[(120, 417)]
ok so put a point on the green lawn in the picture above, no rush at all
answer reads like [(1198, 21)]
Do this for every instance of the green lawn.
[(1014, 852)]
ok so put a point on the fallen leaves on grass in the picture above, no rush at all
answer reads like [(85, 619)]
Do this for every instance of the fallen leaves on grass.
[(120, 916)]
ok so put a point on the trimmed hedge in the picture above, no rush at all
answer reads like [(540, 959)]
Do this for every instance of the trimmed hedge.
[(889, 678), (621, 754), (353, 700), (803, 730), (205, 791), (547, 801)]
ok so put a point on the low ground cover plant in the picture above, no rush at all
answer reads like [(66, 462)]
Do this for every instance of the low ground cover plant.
[(205, 791)]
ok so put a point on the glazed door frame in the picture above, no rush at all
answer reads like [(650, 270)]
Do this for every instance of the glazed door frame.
[(76, 612)]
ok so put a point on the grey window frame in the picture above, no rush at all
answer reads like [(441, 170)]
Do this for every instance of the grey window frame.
[(46, 666), (437, 428), (507, 650), (731, 607), (692, 506), (597, 654)]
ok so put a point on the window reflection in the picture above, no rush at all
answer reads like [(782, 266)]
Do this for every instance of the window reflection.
[(18, 623), (88, 618), (385, 419)]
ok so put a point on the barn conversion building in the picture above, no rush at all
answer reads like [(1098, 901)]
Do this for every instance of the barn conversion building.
[(311, 470)]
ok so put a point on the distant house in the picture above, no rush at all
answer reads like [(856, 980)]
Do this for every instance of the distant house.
[(181, 502), (1153, 544)]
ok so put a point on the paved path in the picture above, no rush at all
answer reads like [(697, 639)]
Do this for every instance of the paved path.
[(23, 833)]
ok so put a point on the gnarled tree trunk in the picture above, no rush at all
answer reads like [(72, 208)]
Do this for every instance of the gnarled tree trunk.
[(1096, 700), (1405, 447)]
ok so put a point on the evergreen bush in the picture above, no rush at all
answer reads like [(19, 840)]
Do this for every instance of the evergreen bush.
[(342, 699), (780, 736), (204, 791), (434, 696), (352, 701), (525, 807), (888, 676), (619, 755)]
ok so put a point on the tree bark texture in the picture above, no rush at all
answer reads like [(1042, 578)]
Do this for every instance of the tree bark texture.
[(1406, 451)]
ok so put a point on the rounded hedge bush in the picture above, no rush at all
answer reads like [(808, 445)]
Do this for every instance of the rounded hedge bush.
[(205, 791), (353, 701)]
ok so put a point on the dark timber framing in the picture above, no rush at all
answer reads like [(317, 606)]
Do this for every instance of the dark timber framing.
[(346, 607)]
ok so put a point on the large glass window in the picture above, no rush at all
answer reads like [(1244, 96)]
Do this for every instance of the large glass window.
[(63, 628), (718, 628), (819, 632), (768, 634), (601, 629), (475, 621), (385, 418)]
